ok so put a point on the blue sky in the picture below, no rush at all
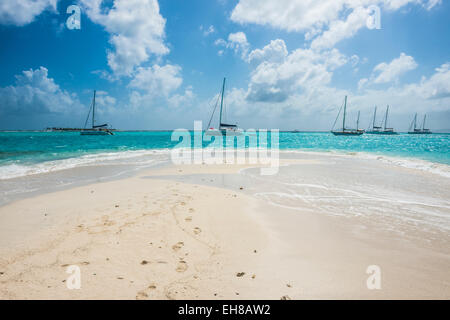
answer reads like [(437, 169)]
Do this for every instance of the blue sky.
[(159, 64)]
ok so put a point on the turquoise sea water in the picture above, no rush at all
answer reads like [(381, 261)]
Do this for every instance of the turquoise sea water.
[(21, 149)]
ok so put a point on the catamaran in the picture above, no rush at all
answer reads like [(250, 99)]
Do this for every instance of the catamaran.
[(381, 129), (96, 130), (344, 131), (413, 127), (224, 129)]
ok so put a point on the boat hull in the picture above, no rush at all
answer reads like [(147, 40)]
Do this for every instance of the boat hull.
[(97, 133), (347, 133), (382, 133), (229, 133), (420, 132)]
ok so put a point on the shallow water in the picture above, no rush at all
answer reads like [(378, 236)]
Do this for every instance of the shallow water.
[(376, 193), (27, 153)]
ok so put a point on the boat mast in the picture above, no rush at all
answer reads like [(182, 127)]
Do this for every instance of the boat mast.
[(385, 119), (357, 121), (374, 117), (93, 111), (415, 122), (221, 102), (424, 119), (345, 110)]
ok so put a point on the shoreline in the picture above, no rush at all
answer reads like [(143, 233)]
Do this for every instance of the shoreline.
[(104, 159), (107, 228), (24, 187)]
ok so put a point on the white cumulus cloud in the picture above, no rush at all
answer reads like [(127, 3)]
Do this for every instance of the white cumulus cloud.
[(388, 72), (329, 20), (34, 92), (279, 74), (157, 80), (237, 42), (22, 12), (275, 51), (435, 87), (136, 30)]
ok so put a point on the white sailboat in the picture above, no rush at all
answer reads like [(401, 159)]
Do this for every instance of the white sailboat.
[(345, 131), (413, 127), (96, 130), (224, 129), (381, 129)]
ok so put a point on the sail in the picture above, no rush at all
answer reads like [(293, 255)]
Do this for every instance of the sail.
[(95, 129), (221, 124)]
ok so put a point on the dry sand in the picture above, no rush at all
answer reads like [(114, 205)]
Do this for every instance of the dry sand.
[(150, 237)]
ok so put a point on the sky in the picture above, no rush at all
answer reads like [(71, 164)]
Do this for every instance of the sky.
[(159, 64)]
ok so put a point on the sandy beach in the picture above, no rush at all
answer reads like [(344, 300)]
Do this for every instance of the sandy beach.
[(225, 232)]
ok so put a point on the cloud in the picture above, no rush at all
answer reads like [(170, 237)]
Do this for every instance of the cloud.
[(435, 87), (328, 21), (362, 83), (428, 95), (207, 31), (34, 92), (342, 29), (180, 100), (286, 85), (237, 42), (278, 74), (275, 51), (22, 12), (136, 30), (105, 103), (157, 80), (388, 72), (289, 15)]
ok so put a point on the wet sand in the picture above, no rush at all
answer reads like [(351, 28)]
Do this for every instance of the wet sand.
[(224, 232)]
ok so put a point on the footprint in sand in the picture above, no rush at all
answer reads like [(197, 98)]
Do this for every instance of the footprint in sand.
[(141, 295), (85, 263), (191, 210), (178, 246), (197, 230), (107, 222), (188, 219), (182, 266)]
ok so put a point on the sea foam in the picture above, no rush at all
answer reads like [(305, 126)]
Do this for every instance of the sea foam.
[(134, 157)]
